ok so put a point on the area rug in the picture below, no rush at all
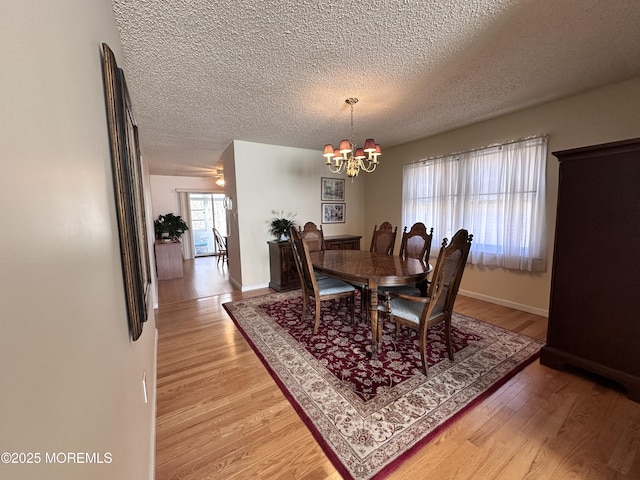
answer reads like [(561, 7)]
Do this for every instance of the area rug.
[(370, 415)]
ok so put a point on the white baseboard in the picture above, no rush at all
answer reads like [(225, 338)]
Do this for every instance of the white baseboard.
[(248, 288), (235, 283), (506, 303)]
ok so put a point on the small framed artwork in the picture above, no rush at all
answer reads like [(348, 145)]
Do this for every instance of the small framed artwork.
[(333, 212), (332, 189)]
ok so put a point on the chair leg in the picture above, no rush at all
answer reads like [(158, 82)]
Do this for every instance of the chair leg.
[(317, 324), (305, 302), (352, 300), (424, 364), (423, 350), (447, 335), (390, 314)]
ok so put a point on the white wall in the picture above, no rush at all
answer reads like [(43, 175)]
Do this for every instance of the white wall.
[(603, 115), (164, 198), (268, 178), (71, 376)]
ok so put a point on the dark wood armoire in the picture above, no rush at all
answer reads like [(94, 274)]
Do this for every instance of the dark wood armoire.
[(594, 311)]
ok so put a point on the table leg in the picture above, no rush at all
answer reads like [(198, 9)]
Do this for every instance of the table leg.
[(373, 304)]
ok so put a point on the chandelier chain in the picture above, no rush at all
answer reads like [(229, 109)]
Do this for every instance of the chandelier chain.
[(352, 125)]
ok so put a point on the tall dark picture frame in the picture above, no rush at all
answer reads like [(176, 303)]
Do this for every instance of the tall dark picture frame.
[(127, 182)]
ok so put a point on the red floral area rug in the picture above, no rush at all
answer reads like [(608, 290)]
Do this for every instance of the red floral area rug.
[(370, 415)]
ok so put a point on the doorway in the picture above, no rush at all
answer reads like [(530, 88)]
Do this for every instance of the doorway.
[(207, 211)]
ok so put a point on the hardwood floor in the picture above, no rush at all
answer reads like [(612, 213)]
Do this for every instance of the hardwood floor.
[(220, 415), (203, 277)]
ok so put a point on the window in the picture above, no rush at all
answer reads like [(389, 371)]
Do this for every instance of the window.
[(497, 193)]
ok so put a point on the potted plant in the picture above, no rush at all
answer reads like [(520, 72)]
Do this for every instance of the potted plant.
[(170, 227), (280, 225)]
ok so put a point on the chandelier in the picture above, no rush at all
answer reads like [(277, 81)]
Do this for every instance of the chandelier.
[(349, 159)]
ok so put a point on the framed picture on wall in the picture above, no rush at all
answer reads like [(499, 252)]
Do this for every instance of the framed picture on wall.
[(333, 212), (332, 189), (127, 183)]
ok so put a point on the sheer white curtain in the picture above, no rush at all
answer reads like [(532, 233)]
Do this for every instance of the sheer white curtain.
[(497, 193), (185, 213)]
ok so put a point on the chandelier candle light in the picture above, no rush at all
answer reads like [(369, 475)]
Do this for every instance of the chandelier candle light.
[(350, 159)]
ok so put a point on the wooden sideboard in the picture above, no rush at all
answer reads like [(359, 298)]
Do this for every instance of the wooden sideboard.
[(284, 275), (169, 260), (342, 242), (594, 309)]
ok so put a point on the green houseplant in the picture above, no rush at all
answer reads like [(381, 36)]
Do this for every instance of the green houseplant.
[(280, 225), (170, 226)]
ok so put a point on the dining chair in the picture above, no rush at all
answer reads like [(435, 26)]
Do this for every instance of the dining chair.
[(313, 236), (416, 243), (221, 246), (383, 239), (421, 313), (320, 288)]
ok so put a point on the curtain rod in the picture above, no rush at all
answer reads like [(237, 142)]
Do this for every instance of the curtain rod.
[(494, 145), (198, 190)]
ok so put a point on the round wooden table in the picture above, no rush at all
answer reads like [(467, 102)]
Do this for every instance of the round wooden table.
[(373, 270)]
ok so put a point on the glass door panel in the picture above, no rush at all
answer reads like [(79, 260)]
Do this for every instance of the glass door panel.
[(201, 223), (207, 211)]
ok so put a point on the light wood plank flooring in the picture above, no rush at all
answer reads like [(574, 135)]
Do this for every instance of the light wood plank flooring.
[(203, 277), (220, 415)]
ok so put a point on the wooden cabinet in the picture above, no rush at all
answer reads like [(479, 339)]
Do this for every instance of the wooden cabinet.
[(284, 275), (169, 260), (342, 242), (594, 311)]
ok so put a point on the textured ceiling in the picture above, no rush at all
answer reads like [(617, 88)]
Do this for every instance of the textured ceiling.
[(202, 73)]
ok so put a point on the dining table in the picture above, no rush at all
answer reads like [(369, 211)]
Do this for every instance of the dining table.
[(373, 270)]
